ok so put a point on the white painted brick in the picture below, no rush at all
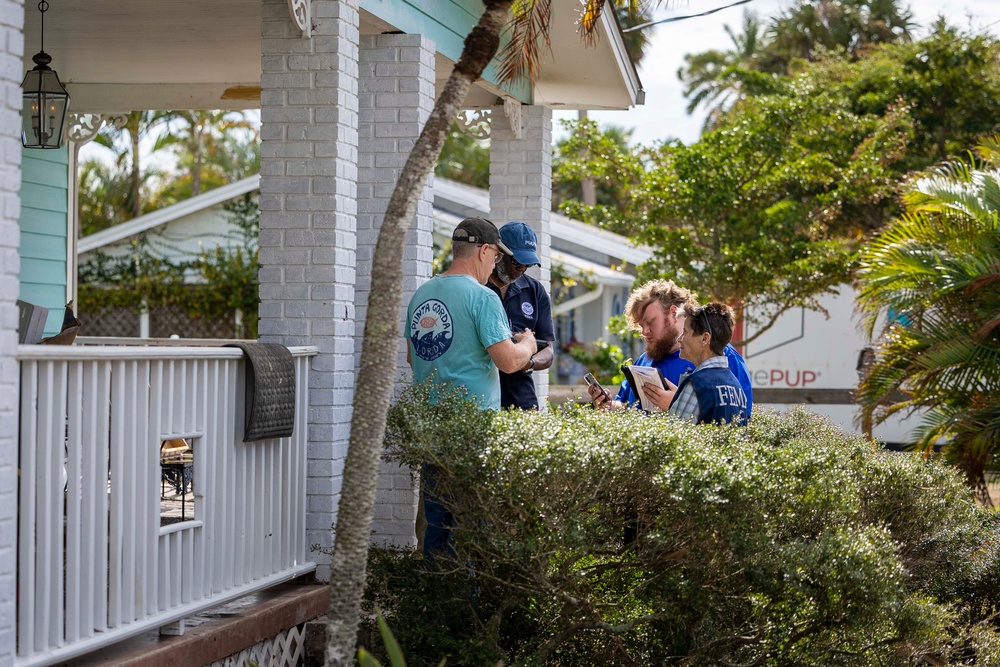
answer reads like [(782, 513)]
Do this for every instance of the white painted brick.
[(521, 184), (309, 149), (11, 17)]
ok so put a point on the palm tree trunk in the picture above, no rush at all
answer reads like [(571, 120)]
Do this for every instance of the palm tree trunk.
[(375, 380), (136, 176), (588, 190), (975, 477), (199, 151)]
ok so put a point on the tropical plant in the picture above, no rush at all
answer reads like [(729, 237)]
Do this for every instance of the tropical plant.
[(929, 287), (810, 27), (214, 147), (103, 197), (630, 17), (211, 147), (716, 79), (126, 146), (527, 22)]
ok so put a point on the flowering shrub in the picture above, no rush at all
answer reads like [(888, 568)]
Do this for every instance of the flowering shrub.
[(588, 538)]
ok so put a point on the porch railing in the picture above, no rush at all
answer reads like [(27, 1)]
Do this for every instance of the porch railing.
[(98, 559)]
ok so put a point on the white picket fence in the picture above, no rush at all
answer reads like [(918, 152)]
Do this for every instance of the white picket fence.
[(95, 565)]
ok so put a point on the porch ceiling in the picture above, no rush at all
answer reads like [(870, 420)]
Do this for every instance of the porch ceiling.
[(152, 54)]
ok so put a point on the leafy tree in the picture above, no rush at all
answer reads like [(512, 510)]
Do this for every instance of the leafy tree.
[(211, 146), (527, 24), (567, 179), (768, 209), (464, 159), (950, 80), (765, 211), (717, 79), (810, 27), (807, 31), (933, 278)]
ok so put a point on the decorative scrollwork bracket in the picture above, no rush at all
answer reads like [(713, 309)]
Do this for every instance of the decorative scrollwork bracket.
[(512, 109), (474, 123), (83, 127), (301, 11)]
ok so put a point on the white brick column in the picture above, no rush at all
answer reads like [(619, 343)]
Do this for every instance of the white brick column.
[(309, 134), (521, 186), (11, 24), (396, 83)]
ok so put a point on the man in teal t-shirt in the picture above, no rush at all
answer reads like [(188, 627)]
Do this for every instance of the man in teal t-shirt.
[(458, 333), (452, 320)]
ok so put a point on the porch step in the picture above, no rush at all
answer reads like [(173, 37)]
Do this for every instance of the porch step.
[(219, 632)]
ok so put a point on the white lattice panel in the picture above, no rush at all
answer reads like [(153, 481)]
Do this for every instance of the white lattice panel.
[(285, 650)]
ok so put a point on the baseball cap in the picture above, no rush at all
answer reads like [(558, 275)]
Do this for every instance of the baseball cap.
[(479, 230), (523, 243)]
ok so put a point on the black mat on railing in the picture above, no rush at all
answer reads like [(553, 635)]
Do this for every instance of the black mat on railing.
[(270, 405)]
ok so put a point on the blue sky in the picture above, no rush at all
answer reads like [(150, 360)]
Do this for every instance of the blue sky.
[(663, 115)]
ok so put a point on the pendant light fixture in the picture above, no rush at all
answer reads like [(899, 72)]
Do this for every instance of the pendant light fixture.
[(46, 101)]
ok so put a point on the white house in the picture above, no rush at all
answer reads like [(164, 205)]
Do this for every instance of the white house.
[(604, 259), (343, 87)]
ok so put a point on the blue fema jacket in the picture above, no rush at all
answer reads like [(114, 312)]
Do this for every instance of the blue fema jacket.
[(721, 399)]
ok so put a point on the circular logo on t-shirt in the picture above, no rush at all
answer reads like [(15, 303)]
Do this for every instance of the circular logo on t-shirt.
[(431, 329), (527, 308)]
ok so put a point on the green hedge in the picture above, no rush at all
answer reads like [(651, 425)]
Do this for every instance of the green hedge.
[(785, 543)]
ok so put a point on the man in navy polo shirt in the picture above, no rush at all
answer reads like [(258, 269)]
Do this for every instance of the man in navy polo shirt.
[(528, 307)]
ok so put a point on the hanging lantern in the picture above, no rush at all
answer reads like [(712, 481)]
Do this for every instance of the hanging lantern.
[(46, 101)]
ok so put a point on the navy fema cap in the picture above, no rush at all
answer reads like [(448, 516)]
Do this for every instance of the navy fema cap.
[(523, 243)]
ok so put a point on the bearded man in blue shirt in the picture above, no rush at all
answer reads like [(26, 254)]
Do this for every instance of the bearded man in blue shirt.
[(656, 309)]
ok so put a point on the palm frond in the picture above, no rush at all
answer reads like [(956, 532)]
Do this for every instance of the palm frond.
[(932, 275), (591, 15), (528, 30)]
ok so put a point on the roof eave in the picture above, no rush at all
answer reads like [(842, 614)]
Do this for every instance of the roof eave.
[(575, 75), (164, 215)]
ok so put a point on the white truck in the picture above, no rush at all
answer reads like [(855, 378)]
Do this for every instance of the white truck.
[(807, 357)]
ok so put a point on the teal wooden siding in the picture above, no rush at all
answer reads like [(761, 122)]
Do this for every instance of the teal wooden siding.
[(44, 199), (447, 22)]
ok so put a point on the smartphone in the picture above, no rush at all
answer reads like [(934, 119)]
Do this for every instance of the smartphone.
[(592, 381)]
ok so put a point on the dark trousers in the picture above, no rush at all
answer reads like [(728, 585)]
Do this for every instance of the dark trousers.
[(440, 521)]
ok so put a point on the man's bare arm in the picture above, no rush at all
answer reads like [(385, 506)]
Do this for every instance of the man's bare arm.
[(543, 358), (510, 356)]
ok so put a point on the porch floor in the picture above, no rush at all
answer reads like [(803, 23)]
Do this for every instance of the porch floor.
[(221, 631)]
